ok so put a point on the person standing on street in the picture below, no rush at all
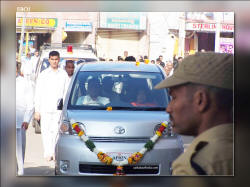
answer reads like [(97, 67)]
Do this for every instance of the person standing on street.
[(125, 55), (161, 58), (24, 112), (50, 87), (34, 60), (202, 106), (69, 68), (169, 68), (27, 67)]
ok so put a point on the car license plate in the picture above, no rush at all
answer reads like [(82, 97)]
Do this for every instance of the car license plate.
[(119, 156)]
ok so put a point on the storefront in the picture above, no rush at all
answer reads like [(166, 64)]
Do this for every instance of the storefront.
[(204, 37), (119, 32), (37, 31), (77, 31)]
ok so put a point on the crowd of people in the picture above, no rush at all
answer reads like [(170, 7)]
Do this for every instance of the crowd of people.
[(201, 106), (39, 100), (168, 66)]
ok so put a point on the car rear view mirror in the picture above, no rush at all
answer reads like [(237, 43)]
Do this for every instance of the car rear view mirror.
[(60, 104)]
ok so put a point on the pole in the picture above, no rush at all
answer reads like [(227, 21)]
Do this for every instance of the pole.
[(21, 39), (27, 43), (217, 34), (182, 34)]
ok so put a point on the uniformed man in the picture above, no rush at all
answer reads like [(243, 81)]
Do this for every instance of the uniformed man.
[(202, 103)]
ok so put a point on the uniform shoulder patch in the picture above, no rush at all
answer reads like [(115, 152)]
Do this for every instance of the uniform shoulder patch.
[(200, 145), (199, 170)]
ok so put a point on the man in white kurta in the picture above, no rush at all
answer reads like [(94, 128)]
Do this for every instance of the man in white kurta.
[(24, 111), (27, 67), (50, 88), (34, 60)]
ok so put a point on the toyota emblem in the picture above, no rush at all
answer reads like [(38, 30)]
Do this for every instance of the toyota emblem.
[(119, 130)]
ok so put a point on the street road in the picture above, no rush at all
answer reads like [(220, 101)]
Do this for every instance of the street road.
[(34, 163)]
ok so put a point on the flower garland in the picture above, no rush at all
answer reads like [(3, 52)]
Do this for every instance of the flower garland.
[(133, 159)]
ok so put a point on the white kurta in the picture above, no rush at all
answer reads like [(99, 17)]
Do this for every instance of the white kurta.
[(27, 70), (24, 111), (27, 67), (50, 88)]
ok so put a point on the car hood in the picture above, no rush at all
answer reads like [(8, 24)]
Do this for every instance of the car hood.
[(111, 123)]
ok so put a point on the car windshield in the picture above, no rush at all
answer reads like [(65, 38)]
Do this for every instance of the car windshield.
[(62, 63), (119, 90)]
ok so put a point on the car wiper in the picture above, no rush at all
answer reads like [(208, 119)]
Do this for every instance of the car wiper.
[(80, 107), (140, 108), (96, 108), (122, 108), (155, 109)]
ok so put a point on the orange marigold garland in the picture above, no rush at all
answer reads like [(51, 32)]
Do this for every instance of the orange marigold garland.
[(133, 159)]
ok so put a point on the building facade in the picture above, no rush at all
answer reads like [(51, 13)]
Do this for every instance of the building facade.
[(141, 34), (121, 31), (109, 33)]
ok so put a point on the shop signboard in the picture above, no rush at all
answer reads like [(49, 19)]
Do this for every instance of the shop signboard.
[(78, 26), (226, 45), (123, 20), (209, 27), (37, 22)]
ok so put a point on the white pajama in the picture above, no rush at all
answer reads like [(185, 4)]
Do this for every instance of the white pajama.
[(50, 87), (20, 148), (49, 131)]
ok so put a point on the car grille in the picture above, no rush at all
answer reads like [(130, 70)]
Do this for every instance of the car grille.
[(114, 139), (105, 169)]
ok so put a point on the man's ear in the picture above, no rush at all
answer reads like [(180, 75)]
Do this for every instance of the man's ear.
[(201, 100)]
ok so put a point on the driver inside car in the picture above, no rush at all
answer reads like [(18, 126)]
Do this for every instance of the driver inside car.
[(93, 97)]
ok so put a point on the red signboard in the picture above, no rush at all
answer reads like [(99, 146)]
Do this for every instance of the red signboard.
[(209, 27)]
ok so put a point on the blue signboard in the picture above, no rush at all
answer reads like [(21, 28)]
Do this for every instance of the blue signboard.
[(123, 23), (78, 25), (122, 20)]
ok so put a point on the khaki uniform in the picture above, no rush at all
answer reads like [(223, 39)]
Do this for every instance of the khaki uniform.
[(210, 153)]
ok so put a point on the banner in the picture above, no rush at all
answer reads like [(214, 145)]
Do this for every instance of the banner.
[(37, 22)]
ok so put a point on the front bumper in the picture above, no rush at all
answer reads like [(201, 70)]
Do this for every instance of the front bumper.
[(74, 158)]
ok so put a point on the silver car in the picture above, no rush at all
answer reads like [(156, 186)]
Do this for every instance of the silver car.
[(119, 110)]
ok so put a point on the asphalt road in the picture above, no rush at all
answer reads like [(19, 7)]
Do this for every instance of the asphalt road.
[(34, 163)]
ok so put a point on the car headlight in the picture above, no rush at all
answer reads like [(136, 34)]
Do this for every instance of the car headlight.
[(168, 132), (65, 127)]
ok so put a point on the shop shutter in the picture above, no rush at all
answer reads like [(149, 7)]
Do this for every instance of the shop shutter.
[(111, 44)]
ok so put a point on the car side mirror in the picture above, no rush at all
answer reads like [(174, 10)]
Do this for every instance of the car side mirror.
[(60, 104)]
